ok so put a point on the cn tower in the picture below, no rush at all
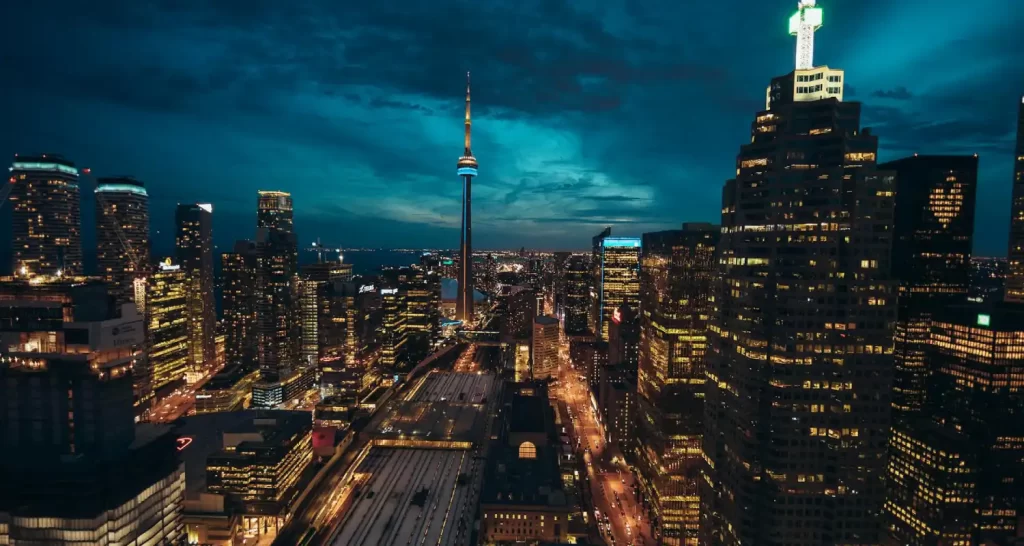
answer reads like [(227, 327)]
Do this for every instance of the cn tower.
[(467, 170)]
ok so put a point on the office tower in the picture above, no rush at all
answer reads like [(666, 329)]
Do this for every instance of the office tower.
[(955, 469), (624, 337), (122, 237), (278, 330), (274, 211), (544, 348), (800, 364), (931, 249), (394, 333), (341, 372), (467, 166), (238, 302), (194, 244), (1015, 256), (167, 324), (309, 321), (677, 301), (577, 296), (616, 401), (619, 280), (46, 216), (594, 317), (422, 311), (73, 469)]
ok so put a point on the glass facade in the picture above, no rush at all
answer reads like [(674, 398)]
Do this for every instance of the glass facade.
[(194, 243), (619, 280), (122, 234), (167, 322), (1015, 256)]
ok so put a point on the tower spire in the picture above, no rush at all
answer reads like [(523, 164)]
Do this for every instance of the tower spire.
[(803, 24), (469, 123)]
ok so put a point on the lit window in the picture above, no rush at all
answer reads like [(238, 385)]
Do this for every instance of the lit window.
[(527, 450)]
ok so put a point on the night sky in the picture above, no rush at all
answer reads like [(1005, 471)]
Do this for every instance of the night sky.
[(586, 113)]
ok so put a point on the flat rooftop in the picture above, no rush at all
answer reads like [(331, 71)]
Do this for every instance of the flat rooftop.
[(412, 496)]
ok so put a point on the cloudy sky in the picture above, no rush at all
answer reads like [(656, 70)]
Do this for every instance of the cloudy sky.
[(586, 112)]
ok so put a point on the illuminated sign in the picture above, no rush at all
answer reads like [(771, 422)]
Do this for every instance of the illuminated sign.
[(367, 288), (205, 206), (388, 291), (617, 316), (447, 262), (984, 320), (167, 266), (621, 242), (184, 442)]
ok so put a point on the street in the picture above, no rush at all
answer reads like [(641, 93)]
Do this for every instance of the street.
[(611, 482)]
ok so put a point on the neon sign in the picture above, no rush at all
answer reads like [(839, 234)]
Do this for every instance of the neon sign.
[(184, 442)]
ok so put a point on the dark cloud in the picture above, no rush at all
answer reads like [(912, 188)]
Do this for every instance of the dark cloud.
[(899, 93), (616, 112)]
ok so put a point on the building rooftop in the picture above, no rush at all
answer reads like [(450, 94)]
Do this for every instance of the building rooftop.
[(546, 320)]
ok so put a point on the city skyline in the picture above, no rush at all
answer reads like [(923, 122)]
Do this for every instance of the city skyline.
[(564, 118)]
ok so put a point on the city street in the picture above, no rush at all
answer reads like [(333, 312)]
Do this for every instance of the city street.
[(611, 482)]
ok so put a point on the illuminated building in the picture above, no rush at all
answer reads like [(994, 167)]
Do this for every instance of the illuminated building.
[(423, 312), (932, 241), (238, 301), (262, 461), (523, 308), (467, 169), (799, 368), (278, 332), (274, 211), (544, 348), (394, 333), (619, 281), (523, 498), (194, 244), (315, 308), (954, 475), (577, 296), (341, 370), (589, 355), (676, 297), (594, 316), (75, 468), (122, 235), (271, 394), (1015, 256), (46, 216), (617, 401), (167, 325)]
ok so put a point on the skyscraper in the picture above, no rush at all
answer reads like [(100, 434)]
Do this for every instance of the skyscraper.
[(168, 325), (122, 236), (577, 296), (932, 241), (1015, 275), (800, 365), (619, 280), (194, 244), (238, 269), (467, 166), (677, 301), (47, 225), (544, 348), (274, 210), (278, 331), (956, 467), (594, 310)]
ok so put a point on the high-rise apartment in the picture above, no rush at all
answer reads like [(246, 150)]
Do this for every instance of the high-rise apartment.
[(932, 242), (800, 365), (278, 330), (194, 243), (618, 282), (1015, 276), (167, 325), (47, 226), (238, 297), (677, 301), (122, 237)]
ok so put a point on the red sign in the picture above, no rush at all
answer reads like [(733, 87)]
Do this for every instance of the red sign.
[(617, 316)]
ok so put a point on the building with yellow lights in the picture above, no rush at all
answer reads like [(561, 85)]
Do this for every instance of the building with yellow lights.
[(167, 327), (677, 301), (46, 216)]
